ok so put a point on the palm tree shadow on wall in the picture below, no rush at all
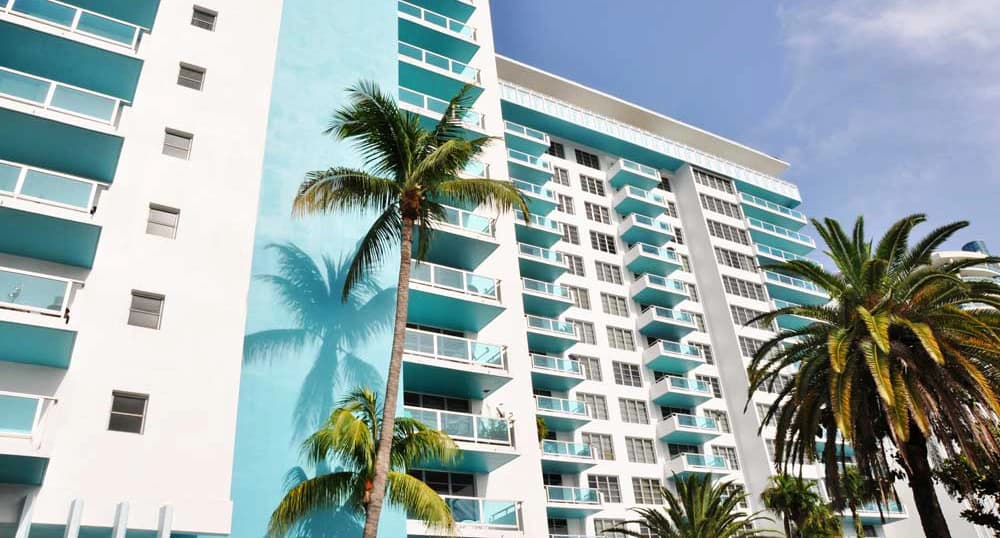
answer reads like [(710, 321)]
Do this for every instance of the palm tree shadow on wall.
[(334, 523), (311, 292)]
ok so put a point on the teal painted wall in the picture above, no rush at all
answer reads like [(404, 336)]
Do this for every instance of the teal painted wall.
[(304, 348)]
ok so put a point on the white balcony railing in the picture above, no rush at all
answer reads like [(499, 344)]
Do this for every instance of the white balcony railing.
[(424, 56), (59, 97), (447, 24), (464, 426), (22, 416), (437, 107), (457, 280), (77, 20), (454, 349), (35, 293)]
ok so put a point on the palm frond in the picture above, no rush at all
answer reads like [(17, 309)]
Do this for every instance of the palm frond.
[(326, 492)]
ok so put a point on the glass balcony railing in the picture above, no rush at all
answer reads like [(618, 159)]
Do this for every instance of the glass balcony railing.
[(59, 97), (540, 253), (640, 169), (650, 222), (703, 460), (453, 348), (566, 448), (891, 507), (551, 325), (658, 252), (77, 20), (794, 282), (561, 405), (546, 288), (46, 187), (436, 19), (651, 196), (21, 414), (565, 494), (526, 132), (483, 512), (534, 190), (458, 280), (476, 169), (700, 423), (672, 315), (682, 383), (778, 253), (471, 119), (778, 230), (539, 221), (468, 221), (34, 293), (771, 206), (673, 285), (556, 364), (459, 69), (678, 348), (463, 426), (531, 160)]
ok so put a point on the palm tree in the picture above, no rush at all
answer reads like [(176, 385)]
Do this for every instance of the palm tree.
[(801, 506), (408, 170), (904, 353), (349, 439), (700, 509), (858, 491)]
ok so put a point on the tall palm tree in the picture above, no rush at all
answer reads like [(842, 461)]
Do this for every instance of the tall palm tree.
[(407, 170), (701, 508), (802, 508), (904, 353), (858, 491), (348, 440)]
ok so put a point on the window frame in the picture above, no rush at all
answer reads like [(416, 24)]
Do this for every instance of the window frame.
[(142, 416)]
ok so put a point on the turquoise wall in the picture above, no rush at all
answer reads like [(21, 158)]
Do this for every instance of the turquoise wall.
[(304, 349)]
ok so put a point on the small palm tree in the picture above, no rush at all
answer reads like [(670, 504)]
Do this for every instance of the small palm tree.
[(858, 491), (408, 171), (349, 439), (700, 509), (801, 506), (904, 353)]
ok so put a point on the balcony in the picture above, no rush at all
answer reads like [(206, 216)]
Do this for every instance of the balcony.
[(540, 263), (544, 298), (642, 229), (451, 298), (625, 172), (34, 312), (536, 230), (436, 32), (565, 502), (672, 357), (541, 201), (565, 457), (456, 9), (23, 454), (791, 322), (441, 364), (684, 464), (549, 335), (870, 515), (643, 258), (780, 238), (561, 414), (89, 26), (759, 208), (674, 391), (525, 139), (555, 373), (431, 110), (659, 291), (769, 255), (461, 238), (485, 444), (528, 167), (794, 290), (630, 199), (55, 100), (480, 515), (665, 323), (433, 74), (687, 429)]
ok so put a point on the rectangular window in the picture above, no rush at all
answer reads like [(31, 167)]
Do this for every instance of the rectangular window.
[(614, 305), (627, 374), (128, 412), (742, 315), (698, 319), (146, 310), (608, 273), (646, 490), (204, 18), (565, 204), (668, 411), (727, 232), (177, 144), (571, 234), (721, 418), (634, 411), (692, 292), (735, 260), (191, 76), (588, 159), (601, 444), (706, 351), (584, 331), (720, 206), (685, 263), (597, 405), (574, 263), (560, 176), (728, 453), (597, 213), (556, 150), (591, 367), (162, 221), (640, 450), (713, 181), (581, 297), (619, 338), (676, 449), (608, 486), (603, 242), (744, 288), (750, 346), (433, 401), (445, 483), (671, 209), (678, 235), (603, 527), (713, 382), (665, 184), (592, 185)]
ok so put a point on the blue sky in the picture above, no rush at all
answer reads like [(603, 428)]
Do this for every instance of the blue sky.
[(883, 107)]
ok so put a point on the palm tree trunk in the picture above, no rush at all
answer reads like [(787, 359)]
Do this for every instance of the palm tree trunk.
[(918, 470), (374, 508)]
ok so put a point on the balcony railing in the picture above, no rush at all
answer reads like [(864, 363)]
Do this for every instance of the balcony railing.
[(695, 422), (534, 190), (459, 69), (540, 253), (672, 382), (458, 280), (778, 230), (471, 119), (678, 348), (659, 252), (778, 253), (42, 186), (453, 348), (526, 132), (78, 21), (58, 97), (546, 288), (469, 222), (463, 426), (651, 196), (565, 494), (702, 461), (640, 169), (556, 364), (650, 222), (794, 282), (673, 315), (771, 206), (891, 507), (21, 415), (566, 448), (477, 169), (670, 284), (34, 293), (436, 19), (551, 325), (561, 405), (539, 221), (531, 160)]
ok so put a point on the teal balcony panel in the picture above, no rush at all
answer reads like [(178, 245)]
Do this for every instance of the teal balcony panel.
[(530, 168), (484, 513), (525, 139), (450, 298), (643, 258), (34, 297), (540, 263), (62, 100), (462, 239), (563, 457), (674, 391), (58, 147), (65, 17), (139, 12), (42, 345), (485, 443), (555, 373), (451, 366), (56, 240), (540, 200), (767, 255), (625, 172), (432, 74), (536, 230), (544, 298), (672, 357), (871, 513), (561, 414), (563, 502), (436, 32), (456, 9), (794, 290), (791, 322), (665, 323), (685, 464), (659, 291), (630, 199), (779, 237), (549, 335), (637, 228), (44, 191), (430, 110), (687, 429), (766, 210), (22, 470)]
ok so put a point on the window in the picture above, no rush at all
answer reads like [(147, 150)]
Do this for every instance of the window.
[(581, 297), (556, 150), (608, 273), (721, 207), (162, 221), (177, 144), (713, 382), (750, 346), (706, 351), (728, 453), (685, 263), (779, 383), (433, 401), (146, 310), (727, 232), (646, 532), (571, 234), (591, 367), (558, 526), (743, 288), (608, 486), (592, 185), (565, 204), (742, 315), (584, 331), (668, 411), (678, 235), (676, 449), (634, 411), (603, 527), (204, 18), (614, 305), (721, 418), (191, 76), (671, 209), (619, 338), (762, 410), (665, 184), (445, 483), (735, 259), (552, 479), (627, 374), (560, 176), (692, 292), (597, 405), (603, 242), (869, 531), (713, 181), (640, 450), (698, 319), (646, 490), (128, 412), (601, 444), (597, 213), (588, 159), (574, 263)]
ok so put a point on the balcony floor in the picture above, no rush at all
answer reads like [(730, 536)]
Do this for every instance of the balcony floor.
[(58, 147), (56, 240), (35, 344), (571, 510), (539, 304), (452, 247), (461, 380), (26, 470), (540, 269), (536, 235), (565, 464), (657, 296), (451, 310), (548, 342), (561, 422), (553, 380)]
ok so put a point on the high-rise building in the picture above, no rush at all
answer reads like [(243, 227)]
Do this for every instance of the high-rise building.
[(169, 333)]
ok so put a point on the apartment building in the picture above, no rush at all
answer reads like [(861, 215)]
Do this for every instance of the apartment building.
[(169, 334)]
